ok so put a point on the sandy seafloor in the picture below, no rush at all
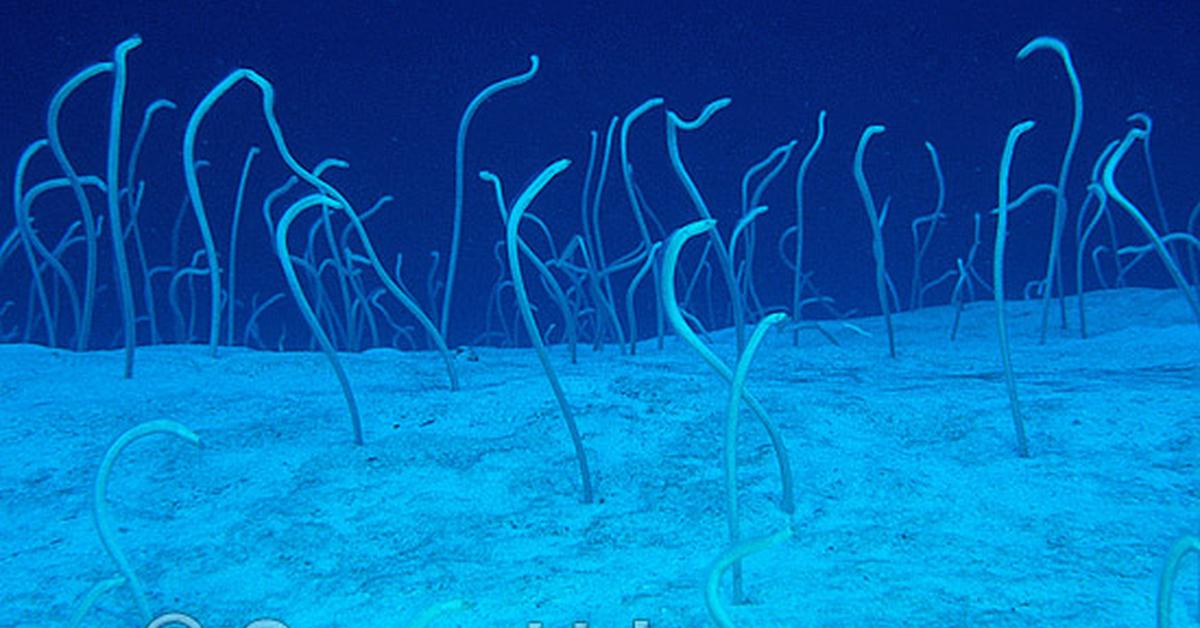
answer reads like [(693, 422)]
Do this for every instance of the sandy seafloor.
[(913, 508)]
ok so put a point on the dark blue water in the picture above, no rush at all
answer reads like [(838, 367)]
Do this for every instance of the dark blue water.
[(382, 86)]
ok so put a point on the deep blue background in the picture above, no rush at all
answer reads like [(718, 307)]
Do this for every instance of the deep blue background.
[(382, 85)]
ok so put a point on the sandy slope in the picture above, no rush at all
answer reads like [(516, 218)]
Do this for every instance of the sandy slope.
[(913, 507)]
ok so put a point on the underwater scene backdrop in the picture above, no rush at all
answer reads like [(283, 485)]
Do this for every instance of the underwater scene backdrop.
[(599, 314)]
